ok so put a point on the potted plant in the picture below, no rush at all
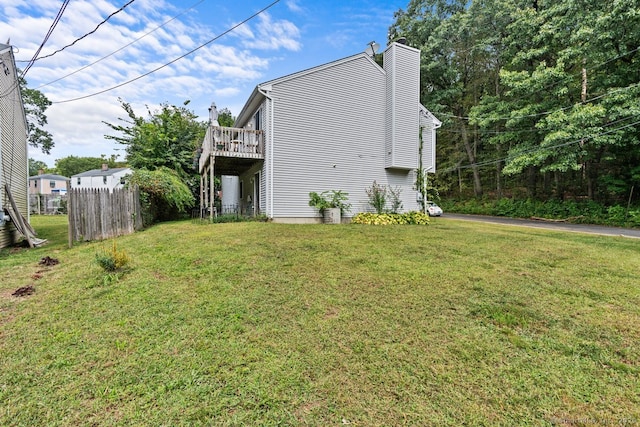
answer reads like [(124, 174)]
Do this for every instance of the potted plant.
[(332, 204)]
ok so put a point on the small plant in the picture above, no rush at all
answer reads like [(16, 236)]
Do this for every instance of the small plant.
[(112, 260), (396, 202), (377, 196), (330, 199)]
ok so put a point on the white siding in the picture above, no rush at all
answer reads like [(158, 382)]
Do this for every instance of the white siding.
[(330, 135), (13, 149), (97, 181), (402, 64), (429, 148)]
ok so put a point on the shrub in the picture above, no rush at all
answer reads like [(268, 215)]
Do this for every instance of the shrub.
[(377, 196), (112, 260), (396, 202), (330, 199), (164, 195), (413, 218)]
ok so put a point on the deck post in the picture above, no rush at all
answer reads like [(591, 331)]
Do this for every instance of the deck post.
[(201, 195), (212, 186)]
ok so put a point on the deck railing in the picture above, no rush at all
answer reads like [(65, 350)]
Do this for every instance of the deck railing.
[(232, 142)]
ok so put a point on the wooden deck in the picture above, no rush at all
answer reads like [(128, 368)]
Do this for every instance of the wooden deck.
[(228, 142)]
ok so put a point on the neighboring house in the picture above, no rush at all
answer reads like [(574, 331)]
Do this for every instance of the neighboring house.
[(337, 126), (103, 178), (14, 169), (47, 183)]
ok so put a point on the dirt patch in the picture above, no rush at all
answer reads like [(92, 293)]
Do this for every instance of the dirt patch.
[(24, 291), (36, 276), (48, 261)]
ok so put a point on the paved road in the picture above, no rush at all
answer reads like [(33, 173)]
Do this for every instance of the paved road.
[(561, 226)]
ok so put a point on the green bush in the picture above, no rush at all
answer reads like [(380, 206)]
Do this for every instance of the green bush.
[(413, 217), (579, 212), (113, 259)]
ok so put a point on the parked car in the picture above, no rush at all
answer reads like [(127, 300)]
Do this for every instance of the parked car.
[(433, 209)]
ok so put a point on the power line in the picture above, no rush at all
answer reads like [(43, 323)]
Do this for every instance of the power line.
[(175, 60), (123, 47), (86, 35), (56, 20), (535, 149), (545, 113), (596, 66)]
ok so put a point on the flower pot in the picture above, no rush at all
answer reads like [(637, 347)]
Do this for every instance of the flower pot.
[(332, 216)]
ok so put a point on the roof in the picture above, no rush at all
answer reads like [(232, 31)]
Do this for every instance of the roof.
[(49, 176), (100, 172), (430, 115)]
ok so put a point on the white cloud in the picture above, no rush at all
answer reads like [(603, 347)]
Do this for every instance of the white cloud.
[(294, 6), (270, 34), (222, 70)]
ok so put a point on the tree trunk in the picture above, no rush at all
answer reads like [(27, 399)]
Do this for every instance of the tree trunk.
[(499, 180), (531, 181), (557, 176), (477, 184)]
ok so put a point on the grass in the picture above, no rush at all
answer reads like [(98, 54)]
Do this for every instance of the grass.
[(457, 323)]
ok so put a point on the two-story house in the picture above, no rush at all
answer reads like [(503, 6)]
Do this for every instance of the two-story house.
[(103, 178), (337, 126), (14, 170)]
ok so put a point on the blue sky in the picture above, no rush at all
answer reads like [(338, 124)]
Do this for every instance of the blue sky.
[(290, 36)]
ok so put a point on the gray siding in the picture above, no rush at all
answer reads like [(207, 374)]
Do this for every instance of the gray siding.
[(402, 64), (13, 150), (330, 135)]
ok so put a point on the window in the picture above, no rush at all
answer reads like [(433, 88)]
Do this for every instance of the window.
[(79, 180), (52, 184), (256, 118), (35, 183), (104, 179), (241, 190)]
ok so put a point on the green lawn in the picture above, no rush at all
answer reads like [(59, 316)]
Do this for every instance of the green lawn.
[(456, 323)]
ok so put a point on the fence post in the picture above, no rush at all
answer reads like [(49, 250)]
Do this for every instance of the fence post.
[(70, 216)]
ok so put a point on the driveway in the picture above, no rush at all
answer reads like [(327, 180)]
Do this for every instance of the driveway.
[(560, 226)]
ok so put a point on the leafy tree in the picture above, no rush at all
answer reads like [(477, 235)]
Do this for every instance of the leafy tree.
[(225, 118), (571, 84), (535, 94), (167, 138), (72, 165), (35, 166), (165, 195), (35, 105)]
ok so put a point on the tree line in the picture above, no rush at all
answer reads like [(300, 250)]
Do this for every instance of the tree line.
[(539, 98)]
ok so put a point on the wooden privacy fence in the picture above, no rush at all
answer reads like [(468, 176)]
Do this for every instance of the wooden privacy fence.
[(102, 214)]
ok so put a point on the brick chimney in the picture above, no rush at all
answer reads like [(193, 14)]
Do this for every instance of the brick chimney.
[(105, 167), (40, 171)]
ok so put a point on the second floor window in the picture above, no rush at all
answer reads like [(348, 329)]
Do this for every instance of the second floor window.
[(79, 180), (52, 184), (104, 179)]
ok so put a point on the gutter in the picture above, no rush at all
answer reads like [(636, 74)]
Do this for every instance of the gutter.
[(266, 91)]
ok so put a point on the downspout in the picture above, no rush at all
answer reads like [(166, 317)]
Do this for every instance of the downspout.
[(266, 91)]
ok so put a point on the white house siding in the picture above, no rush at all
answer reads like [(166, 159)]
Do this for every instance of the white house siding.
[(330, 135), (429, 148), (402, 64), (13, 150), (95, 179)]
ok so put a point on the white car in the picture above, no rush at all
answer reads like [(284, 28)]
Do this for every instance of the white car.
[(433, 209)]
